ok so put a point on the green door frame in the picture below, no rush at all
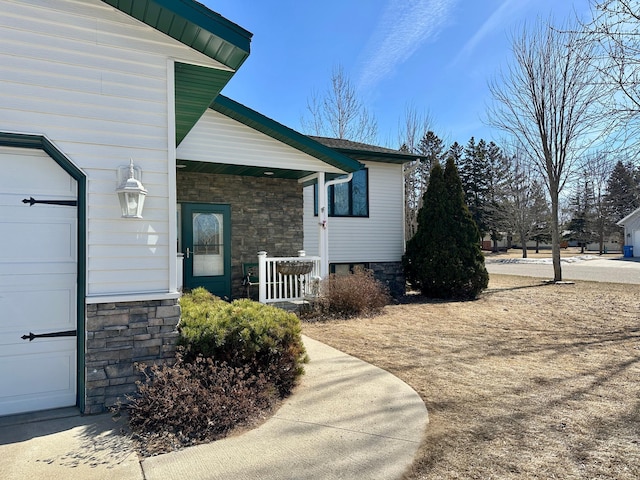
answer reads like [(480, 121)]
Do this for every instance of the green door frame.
[(40, 142), (219, 285)]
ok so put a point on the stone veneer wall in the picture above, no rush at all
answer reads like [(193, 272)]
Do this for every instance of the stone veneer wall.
[(118, 336), (392, 275), (266, 214)]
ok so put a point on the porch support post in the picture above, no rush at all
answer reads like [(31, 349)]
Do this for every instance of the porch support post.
[(323, 216), (262, 277), (323, 226)]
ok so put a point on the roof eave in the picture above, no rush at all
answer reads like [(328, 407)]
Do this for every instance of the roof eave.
[(621, 223), (194, 25), (383, 157)]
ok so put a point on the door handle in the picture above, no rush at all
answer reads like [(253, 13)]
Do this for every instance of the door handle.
[(188, 252)]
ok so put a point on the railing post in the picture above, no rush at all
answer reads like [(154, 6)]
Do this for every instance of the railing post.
[(262, 277)]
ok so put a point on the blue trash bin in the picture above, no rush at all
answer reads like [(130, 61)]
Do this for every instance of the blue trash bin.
[(628, 251)]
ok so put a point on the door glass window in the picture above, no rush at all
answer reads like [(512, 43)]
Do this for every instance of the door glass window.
[(208, 248)]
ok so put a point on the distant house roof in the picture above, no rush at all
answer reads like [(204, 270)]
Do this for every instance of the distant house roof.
[(628, 218), (362, 151)]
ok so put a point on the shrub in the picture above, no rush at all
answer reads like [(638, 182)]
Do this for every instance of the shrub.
[(347, 296), (443, 259), (244, 333), (194, 402)]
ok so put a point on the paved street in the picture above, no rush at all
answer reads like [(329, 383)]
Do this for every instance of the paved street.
[(588, 267)]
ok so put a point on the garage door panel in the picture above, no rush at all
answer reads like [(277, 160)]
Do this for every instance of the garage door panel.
[(47, 240), (54, 309), (38, 283), (46, 379), (49, 180)]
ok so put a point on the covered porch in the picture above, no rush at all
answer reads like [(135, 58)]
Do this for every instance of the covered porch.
[(239, 190)]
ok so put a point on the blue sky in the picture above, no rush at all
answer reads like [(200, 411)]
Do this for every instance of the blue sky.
[(435, 55)]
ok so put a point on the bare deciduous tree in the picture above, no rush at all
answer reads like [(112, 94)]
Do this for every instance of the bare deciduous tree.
[(598, 167), (545, 100), (339, 112), (415, 136), (524, 207), (613, 30)]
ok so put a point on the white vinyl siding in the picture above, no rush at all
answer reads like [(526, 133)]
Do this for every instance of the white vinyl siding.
[(378, 238), (96, 82), (217, 138)]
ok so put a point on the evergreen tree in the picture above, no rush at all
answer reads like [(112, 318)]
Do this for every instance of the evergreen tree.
[(621, 197), (580, 226), (622, 192), (416, 174), (497, 179), (443, 259)]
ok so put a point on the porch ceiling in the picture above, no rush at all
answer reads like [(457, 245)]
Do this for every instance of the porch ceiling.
[(242, 170)]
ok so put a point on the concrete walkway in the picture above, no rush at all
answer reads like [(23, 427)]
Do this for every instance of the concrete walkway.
[(346, 420)]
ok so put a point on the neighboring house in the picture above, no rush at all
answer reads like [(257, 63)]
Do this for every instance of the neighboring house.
[(88, 87), (631, 224)]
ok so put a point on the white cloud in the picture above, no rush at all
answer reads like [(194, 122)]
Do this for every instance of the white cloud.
[(497, 20), (403, 27)]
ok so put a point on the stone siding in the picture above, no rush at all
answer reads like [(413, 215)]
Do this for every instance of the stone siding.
[(266, 215), (392, 275), (118, 336)]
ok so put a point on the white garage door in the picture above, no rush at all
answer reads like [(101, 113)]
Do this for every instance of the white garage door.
[(38, 280)]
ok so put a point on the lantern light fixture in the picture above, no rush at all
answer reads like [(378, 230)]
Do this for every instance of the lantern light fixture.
[(131, 192)]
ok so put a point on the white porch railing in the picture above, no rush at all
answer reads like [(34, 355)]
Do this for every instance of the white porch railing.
[(287, 279)]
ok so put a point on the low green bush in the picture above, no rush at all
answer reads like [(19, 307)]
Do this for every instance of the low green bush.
[(194, 402), (243, 333), (354, 295)]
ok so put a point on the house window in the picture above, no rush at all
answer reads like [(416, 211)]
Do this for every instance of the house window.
[(349, 199)]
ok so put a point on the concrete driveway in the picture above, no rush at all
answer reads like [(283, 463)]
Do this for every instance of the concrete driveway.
[(610, 269)]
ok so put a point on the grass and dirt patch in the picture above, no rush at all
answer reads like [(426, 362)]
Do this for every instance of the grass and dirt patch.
[(529, 381)]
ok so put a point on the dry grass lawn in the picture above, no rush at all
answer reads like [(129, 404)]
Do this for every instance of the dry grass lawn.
[(529, 381)]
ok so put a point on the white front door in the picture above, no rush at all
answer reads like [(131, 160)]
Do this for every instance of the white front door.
[(38, 282)]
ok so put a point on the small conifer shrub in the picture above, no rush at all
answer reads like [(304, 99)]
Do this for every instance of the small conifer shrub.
[(243, 333), (444, 259)]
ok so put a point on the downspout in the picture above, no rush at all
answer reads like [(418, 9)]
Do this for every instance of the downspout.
[(323, 218)]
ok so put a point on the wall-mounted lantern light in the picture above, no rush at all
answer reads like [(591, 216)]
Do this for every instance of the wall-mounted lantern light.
[(131, 192)]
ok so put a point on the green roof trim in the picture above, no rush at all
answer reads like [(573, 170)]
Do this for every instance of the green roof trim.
[(196, 87), (364, 152), (207, 32), (194, 25), (273, 129)]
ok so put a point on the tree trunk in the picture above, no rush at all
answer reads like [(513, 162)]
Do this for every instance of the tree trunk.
[(555, 234), (523, 242)]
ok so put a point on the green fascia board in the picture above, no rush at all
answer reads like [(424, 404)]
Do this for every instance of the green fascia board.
[(196, 87), (382, 157), (194, 25), (273, 129)]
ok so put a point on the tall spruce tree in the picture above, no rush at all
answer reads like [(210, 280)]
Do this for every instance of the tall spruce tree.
[(621, 197), (443, 259)]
